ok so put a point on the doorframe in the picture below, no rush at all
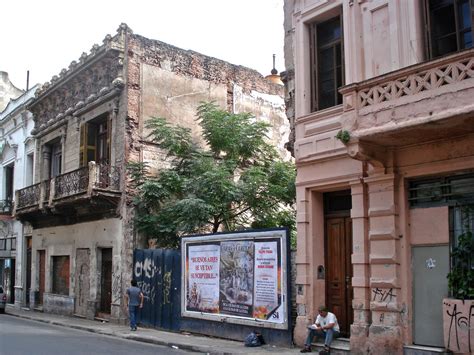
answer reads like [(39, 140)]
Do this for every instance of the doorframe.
[(344, 214)]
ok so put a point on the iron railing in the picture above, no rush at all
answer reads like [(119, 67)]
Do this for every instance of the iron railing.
[(6, 206), (29, 196), (82, 180), (71, 183), (108, 177)]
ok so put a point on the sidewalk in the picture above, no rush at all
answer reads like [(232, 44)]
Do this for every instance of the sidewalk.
[(197, 343)]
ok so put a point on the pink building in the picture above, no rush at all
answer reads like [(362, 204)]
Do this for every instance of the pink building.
[(381, 98)]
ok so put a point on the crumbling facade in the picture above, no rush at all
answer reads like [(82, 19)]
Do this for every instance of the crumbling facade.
[(380, 96), (89, 123)]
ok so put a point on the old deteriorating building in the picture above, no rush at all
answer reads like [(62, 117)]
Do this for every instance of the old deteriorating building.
[(16, 172), (89, 123), (380, 94)]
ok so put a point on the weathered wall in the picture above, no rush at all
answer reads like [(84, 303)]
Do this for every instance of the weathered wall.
[(67, 240)]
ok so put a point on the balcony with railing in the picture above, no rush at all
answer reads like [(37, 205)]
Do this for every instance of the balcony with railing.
[(78, 194), (6, 207), (422, 102)]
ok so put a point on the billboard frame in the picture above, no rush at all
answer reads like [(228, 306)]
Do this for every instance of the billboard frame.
[(255, 236)]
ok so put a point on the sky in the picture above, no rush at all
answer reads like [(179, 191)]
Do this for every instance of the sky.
[(45, 36)]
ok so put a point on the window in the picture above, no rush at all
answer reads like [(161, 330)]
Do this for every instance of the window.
[(61, 275), (442, 191), (327, 71), (449, 25), (29, 170), (95, 141), (56, 159), (6, 203)]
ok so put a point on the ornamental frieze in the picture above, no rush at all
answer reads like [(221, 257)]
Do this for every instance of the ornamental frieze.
[(86, 86)]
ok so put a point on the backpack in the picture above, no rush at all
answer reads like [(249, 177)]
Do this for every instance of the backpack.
[(254, 339)]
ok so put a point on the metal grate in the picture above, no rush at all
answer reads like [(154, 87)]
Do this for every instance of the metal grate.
[(441, 191)]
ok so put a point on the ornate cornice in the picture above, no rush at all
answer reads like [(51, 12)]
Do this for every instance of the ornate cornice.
[(96, 77)]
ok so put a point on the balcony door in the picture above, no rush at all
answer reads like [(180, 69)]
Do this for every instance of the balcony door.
[(95, 141)]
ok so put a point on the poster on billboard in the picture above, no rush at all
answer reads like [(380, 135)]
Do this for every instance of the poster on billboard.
[(236, 277)]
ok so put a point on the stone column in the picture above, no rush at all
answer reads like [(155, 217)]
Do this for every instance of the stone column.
[(46, 154), (385, 331), (361, 271), (303, 277)]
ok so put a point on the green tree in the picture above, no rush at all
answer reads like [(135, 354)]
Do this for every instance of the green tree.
[(236, 180)]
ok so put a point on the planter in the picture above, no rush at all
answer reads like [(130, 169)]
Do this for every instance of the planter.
[(458, 325)]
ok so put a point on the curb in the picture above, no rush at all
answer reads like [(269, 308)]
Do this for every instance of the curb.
[(133, 337)]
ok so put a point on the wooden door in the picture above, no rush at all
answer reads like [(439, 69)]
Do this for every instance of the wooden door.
[(42, 266), (106, 281), (339, 270)]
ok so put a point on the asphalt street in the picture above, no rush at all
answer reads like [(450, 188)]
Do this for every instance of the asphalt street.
[(21, 336)]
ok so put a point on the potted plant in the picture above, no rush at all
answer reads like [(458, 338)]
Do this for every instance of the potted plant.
[(458, 311)]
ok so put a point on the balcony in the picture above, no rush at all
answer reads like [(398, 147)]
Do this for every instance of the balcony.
[(79, 195), (6, 207), (424, 102)]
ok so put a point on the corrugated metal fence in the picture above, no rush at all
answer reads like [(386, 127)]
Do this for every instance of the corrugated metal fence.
[(158, 273)]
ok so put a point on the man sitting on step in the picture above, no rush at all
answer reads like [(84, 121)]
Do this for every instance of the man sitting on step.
[(325, 326)]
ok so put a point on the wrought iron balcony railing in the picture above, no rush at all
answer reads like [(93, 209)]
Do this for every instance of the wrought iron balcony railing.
[(80, 181), (6, 206), (29, 196), (71, 183)]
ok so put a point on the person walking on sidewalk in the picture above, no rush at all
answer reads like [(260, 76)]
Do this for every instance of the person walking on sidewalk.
[(325, 326), (134, 300)]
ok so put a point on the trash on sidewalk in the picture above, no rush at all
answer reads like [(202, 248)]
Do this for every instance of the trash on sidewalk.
[(254, 339)]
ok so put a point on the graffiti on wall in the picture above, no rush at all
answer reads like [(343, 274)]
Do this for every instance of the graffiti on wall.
[(461, 322), (383, 295)]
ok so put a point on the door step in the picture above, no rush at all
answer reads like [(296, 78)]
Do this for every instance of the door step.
[(424, 350), (339, 346)]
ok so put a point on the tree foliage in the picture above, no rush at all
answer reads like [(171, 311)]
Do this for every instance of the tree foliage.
[(235, 180)]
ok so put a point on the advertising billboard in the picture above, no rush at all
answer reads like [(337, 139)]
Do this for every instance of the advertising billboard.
[(236, 278)]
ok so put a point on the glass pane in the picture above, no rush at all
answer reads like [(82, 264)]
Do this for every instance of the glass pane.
[(462, 187), (327, 85), (434, 4), (326, 99), (464, 15), (443, 21), (326, 75), (338, 54), (466, 40), (445, 45), (91, 134), (326, 59), (329, 31)]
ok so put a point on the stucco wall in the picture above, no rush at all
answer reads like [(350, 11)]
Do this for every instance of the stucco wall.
[(65, 240), (429, 226)]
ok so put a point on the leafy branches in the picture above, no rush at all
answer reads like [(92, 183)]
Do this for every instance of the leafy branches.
[(234, 180)]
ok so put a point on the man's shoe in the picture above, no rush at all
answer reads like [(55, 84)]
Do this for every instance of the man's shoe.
[(305, 350)]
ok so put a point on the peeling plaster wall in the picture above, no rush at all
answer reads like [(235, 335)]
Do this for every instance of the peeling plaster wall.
[(65, 240)]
